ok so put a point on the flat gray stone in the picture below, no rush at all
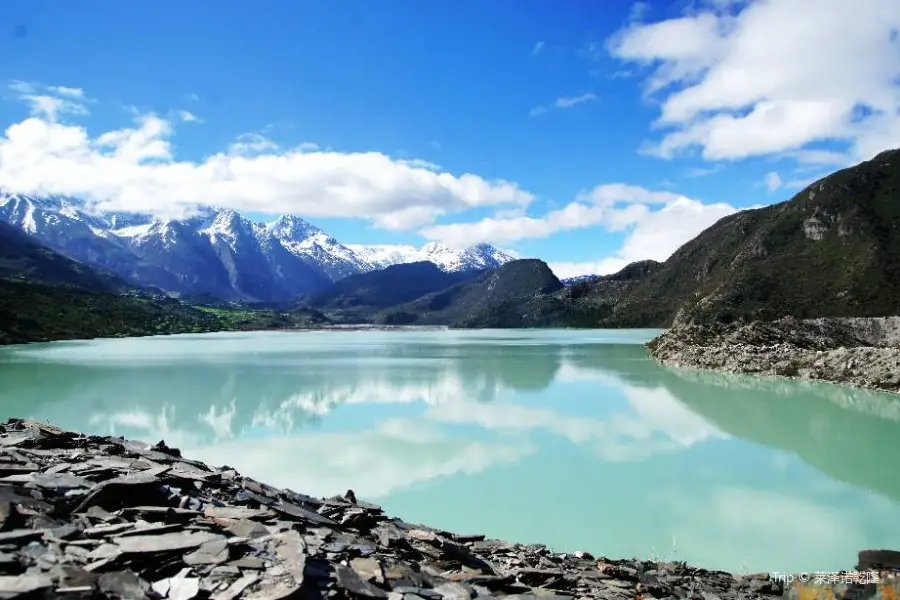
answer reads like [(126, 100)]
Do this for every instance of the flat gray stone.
[(368, 569), (166, 542), (237, 512), (298, 512), (19, 585), (236, 588), (123, 585), (350, 581), (20, 536), (213, 552), (183, 588)]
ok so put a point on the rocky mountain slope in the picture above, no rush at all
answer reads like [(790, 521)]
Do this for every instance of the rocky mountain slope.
[(362, 294), (46, 296), (833, 250), (864, 352), (22, 258), (217, 252), (517, 294)]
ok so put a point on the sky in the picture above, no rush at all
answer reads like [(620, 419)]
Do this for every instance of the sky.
[(587, 133)]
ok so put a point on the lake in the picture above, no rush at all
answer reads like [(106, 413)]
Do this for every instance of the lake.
[(574, 439)]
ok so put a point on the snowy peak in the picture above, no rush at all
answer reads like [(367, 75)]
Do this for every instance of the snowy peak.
[(292, 228), (215, 250), (479, 256)]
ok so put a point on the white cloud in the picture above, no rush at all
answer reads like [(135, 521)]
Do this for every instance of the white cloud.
[(67, 91), (773, 181), (654, 236), (615, 206), (500, 230), (251, 143), (563, 103), (656, 224), (51, 102), (570, 101), (704, 171), (187, 116), (639, 10), (537, 48), (761, 77), (135, 168)]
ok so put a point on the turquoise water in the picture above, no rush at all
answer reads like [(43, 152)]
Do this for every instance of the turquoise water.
[(570, 438)]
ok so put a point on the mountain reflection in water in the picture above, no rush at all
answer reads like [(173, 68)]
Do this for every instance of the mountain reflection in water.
[(574, 439)]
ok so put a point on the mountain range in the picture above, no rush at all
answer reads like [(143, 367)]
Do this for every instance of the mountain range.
[(833, 250), (217, 252)]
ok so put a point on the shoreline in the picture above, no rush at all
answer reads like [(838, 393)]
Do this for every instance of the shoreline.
[(857, 352), (94, 516)]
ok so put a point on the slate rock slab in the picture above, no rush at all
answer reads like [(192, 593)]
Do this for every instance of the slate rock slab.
[(102, 517)]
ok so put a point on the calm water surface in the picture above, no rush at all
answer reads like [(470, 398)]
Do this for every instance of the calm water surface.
[(573, 439)]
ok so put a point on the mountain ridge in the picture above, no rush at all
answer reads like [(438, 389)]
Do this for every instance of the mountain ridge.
[(832, 250), (217, 251)]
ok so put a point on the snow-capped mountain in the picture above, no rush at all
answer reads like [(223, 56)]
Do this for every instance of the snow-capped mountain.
[(311, 244), (217, 251), (479, 256)]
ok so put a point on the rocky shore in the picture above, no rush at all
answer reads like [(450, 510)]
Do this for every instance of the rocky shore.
[(859, 352), (103, 517)]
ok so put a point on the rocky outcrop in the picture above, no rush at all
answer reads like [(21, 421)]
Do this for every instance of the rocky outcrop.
[(863, 352), (103, 517)]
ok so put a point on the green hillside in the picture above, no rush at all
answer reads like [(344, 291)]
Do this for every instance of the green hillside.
[(831, 250), (517, 294)]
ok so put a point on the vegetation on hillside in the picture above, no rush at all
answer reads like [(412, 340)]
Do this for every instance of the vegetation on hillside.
[(832, 250), (357, 298), (518, 294), (35, 312), (23, 258), (45, 296)]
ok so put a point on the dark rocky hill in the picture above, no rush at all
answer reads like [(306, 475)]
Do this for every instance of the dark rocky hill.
[(390, 286), (833, 250), (520, 293), (46, 296), (23, 258)]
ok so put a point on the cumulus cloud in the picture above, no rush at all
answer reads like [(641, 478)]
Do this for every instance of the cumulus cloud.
[(761, 77), (653, 235), (656, 224), (773, 181), (135, 168)]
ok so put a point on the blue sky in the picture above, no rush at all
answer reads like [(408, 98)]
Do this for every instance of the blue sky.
[(619, 130)]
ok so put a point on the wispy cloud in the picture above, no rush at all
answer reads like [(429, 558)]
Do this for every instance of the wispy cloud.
[(70, 92), (187, 116), (704, 171), (773, 181), (50, 102), (537, 48), (563, 103), (638, 11), (570, 101)]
